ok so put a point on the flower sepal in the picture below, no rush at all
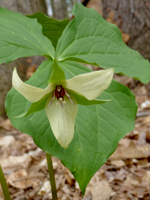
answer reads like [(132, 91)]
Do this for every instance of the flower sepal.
[(34, 107)]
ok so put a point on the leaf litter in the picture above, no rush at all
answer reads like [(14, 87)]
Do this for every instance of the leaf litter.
[(125, 175)]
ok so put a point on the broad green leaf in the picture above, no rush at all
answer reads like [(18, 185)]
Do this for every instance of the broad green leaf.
[(89, 38), (21, 36), (51, 28), (83, 101), (57, 73), (34, 107), (98, 128)]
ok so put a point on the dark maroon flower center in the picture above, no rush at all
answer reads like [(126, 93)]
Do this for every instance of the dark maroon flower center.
[(59, 93)]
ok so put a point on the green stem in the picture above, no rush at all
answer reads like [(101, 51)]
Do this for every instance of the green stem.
[(4, 185), (51, 176)]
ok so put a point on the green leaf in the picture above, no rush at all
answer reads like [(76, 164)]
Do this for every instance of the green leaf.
[(89, 38), (37, 106), (51, 28), (57, 73), (98, 128), (85, 102), (44, 72), (21, 36)]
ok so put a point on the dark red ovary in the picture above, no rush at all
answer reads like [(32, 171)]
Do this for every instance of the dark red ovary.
[(59, 92)]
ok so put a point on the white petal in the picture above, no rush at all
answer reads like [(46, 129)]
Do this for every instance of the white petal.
[(92, 84), (62, 120), (31, 93)]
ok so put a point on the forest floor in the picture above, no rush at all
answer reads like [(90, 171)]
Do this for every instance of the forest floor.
[(125, 176)]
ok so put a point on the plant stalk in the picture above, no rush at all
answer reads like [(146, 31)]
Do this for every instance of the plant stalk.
[(51, 176), (4, 185)]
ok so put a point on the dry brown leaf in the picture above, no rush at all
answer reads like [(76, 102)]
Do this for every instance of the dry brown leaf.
[(46, 188), (142, 138), (30, 71), (97, 5), (69, 180), (110, 18), (132, 180), (6, 124), (118, 163), (126, 37), (124, 142), (145, 104), (123, 79), (87, 196), (145, 120), (120, 175), (7, 141), (12, 179), (139, 180), (132, 151), (76, 197), (16, 162), (101, 190)]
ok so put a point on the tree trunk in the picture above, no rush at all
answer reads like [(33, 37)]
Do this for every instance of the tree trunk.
[(133, 18), (25, 7), (59, 8)]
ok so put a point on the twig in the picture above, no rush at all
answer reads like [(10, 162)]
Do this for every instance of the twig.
[(142, 114), (29, 177), (146, 94)]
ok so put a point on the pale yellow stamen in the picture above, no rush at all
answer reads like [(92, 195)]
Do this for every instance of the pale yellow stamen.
[(58, 88), (68, 96), (60, 101)]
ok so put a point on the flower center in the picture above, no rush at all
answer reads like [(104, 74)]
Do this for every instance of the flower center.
[(59, 93)]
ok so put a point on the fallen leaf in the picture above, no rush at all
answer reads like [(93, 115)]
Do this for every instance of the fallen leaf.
[(6, 124), (97, 5), (118, 163), (46, 188), (132, 151), (16, 162), (12, 179), (6, 141), (101, 190), (31, 69)]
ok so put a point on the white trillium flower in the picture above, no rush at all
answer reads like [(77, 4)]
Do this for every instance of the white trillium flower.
[(61, 107)]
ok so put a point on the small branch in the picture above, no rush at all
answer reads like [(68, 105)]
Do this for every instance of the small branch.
[(146, 94), (29, 177), (142, 114), (4, 185), (51, 176)]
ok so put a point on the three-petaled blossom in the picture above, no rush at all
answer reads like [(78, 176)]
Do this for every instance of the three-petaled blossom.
[(61, 107)]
